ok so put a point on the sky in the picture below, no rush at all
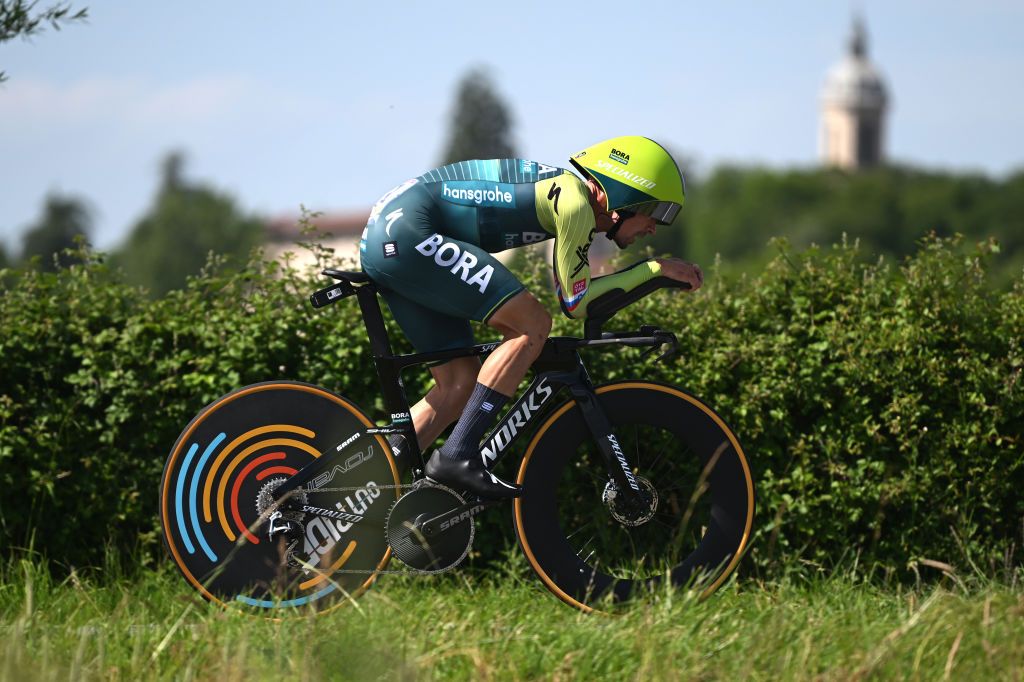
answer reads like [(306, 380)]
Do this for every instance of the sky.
[(329, 105)]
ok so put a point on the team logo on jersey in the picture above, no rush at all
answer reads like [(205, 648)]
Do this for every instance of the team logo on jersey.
[(583, 254), (449, 254), (384, 200), (390, 249), (526, 166), (475, 193), (553, 195), (621, 157), (514, 239), (572, 301)]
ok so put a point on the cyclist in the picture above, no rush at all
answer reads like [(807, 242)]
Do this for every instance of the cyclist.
[(428, 246)]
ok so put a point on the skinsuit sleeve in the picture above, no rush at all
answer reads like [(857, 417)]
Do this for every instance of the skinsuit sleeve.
[(564, 210)]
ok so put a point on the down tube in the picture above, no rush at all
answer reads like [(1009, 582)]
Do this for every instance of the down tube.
[(541, 390)]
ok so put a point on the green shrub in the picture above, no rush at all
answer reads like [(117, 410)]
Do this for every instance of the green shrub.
[(881, 407)]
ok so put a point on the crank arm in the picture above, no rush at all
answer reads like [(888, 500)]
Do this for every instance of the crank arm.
[(443, 522)]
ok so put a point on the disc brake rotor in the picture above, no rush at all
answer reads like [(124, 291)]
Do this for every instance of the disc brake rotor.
[(635, 514), (434, 552)]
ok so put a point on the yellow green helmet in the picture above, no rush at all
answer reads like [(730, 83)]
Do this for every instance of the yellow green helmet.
[(637, 174)]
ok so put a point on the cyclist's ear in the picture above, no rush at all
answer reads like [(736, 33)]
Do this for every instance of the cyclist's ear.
[(598, 199)]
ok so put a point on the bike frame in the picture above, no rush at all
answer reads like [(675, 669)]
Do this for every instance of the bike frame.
[(559, 367)]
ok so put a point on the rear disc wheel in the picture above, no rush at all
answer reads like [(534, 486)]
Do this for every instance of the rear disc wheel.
[(215, 500)]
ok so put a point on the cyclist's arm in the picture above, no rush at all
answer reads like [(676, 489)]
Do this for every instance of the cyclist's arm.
[(564, 208)]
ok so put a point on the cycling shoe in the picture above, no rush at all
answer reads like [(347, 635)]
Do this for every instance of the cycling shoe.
[(471, 476)]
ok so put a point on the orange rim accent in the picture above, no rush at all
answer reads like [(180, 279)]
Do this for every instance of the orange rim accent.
[(352, 408), (545, 578)]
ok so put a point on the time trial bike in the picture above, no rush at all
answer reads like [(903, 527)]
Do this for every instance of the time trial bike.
[(626, 485)]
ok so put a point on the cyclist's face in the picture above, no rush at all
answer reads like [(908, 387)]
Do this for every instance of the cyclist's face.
[(633, 226)]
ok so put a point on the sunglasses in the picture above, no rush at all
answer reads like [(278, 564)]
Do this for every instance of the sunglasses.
[(663, 212)]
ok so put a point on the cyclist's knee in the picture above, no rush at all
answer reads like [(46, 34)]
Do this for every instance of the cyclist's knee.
[(544, 324), (523, 315), (538, 325)]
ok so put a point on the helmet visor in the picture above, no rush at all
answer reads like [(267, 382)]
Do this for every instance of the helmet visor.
[(663, 212)]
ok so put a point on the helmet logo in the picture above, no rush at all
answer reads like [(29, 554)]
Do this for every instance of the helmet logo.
[(621, 157), (612, 169)]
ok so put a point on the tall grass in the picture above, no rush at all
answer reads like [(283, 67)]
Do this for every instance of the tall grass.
[(505, 626)]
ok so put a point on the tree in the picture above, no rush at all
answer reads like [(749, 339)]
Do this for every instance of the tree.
[(4, 260), (17, 19), (481, 126), (64, 220), (736, 211), (186, 223)]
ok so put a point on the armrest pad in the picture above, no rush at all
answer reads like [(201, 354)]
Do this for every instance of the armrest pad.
[(602, 308)]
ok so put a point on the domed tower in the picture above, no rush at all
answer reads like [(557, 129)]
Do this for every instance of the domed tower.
[(854, 102)]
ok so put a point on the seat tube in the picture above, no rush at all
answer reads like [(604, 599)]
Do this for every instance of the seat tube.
[(383, 356), (374, 321)]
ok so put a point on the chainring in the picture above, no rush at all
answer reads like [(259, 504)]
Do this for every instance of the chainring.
[(444, 550)]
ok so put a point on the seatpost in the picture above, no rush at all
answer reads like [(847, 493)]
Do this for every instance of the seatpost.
[(374, 321)]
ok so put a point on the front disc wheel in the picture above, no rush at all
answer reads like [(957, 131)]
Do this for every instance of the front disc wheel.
[(689, 524)]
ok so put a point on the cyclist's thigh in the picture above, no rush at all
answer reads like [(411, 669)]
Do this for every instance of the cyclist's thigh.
[(428, 330)]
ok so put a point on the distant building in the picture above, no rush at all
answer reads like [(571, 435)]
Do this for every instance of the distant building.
[(853, 108), (344, 229)]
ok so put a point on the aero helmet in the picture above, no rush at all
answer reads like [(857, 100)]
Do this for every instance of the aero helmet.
[(636, 174)]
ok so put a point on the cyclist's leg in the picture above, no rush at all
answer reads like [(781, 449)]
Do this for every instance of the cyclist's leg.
[(525, 325), (433, 285), (407, 256), (443, 403), (429, 330)]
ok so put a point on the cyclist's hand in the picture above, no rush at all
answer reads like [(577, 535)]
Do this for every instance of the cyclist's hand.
[(682, 271)]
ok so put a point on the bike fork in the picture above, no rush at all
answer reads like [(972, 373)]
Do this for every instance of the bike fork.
[(606, 441)]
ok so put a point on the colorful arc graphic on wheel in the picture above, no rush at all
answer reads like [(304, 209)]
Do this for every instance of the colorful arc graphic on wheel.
[(217, 477), (227, 511), (219, 468)]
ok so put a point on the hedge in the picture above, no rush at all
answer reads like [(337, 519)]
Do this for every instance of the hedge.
[(881, 404)]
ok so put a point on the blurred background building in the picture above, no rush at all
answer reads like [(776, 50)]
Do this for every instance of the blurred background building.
[(853, 108)]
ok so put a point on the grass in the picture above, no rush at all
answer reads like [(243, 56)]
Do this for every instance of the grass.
[(471, 626)]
